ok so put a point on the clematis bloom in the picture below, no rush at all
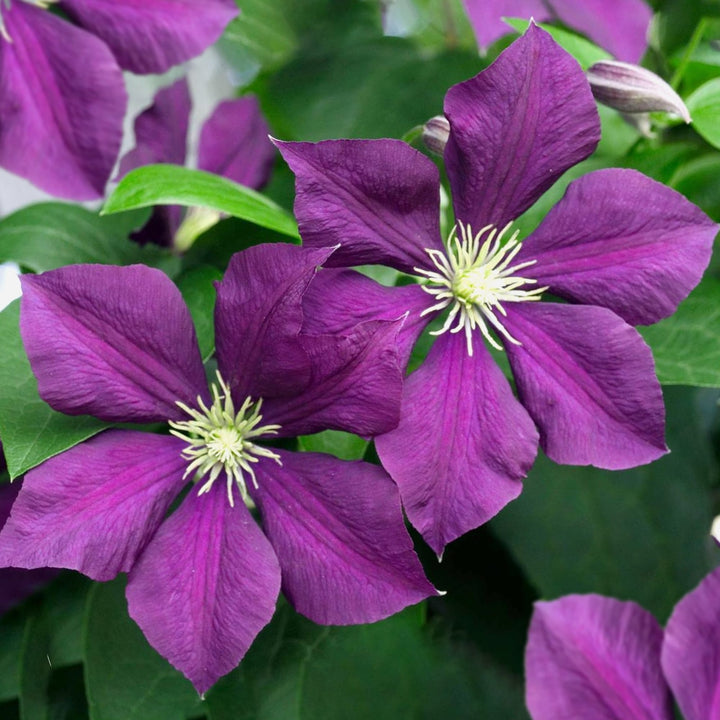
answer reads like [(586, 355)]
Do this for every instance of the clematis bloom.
[(596, 657), (620, 248), (62, 96), (118, 343)]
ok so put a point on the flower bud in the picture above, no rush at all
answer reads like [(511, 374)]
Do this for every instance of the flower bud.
[(633, 89), (435, 134)]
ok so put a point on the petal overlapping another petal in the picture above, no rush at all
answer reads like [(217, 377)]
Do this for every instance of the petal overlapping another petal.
[(595, 658), (338, 531), (150, 36), (258, 317), (94, 507), (205, 586), (623, 241), (691, 651), (63, 100), (377, 199), (114, 342), (588, 380), (516, 128), (234, 143), (463, 443)]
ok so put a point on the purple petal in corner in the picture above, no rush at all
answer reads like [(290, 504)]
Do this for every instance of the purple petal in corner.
[(338, 531), (595, 658), (205, 586)]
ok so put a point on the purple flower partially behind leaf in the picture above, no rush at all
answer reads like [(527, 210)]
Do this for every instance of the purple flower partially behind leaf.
[(598, 658), (62, 96), (233, 143), (620, 26), (118, 343), (620, 248)]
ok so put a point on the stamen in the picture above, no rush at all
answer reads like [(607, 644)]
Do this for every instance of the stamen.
[(220, 439), (476, 277)]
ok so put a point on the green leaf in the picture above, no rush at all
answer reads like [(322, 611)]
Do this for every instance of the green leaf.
[(686, 346), (35, 669), (175, 185), (125, 678), (12, 632), (639, 534), (30, 429), (197, 289), (704, 107), (334, 442)]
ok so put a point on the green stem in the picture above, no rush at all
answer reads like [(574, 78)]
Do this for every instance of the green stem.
[(691, 47)]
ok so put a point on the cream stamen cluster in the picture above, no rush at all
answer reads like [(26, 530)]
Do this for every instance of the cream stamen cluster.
[(476, 277), (221, 439)]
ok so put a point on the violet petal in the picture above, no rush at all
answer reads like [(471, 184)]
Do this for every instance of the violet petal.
[(114, 342), (691, 651), (588, 380), (205, 586), (486, 17), (338, 531), (337, 300), (234, 143), (595, 658), (258, 316), (150, 36), (515, 128), (463, 444), (94, 507), (643, 248), (355, 384), (63, 100), (377, 199)]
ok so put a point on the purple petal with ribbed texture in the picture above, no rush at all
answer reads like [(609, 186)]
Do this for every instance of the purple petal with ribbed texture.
[(94, 507), (338, 531), (515, 128), (161, 130), (691, 651), (486, 17), (623, 241), (205, 586), (150, 36), (378, 199), (594, 658), (234, 143), (17, 584), (463, 444), (63, 100), (620, 26), (355, 384), (337, 300), (114, 342), (258, 316), (588, 380)]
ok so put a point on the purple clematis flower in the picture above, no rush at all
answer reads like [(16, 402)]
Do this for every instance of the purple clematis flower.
[(61, 88), (620, 247), (598, 658), (620, 26), (233, 143), (118, 343)]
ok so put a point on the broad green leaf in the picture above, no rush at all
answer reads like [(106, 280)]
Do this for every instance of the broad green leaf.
[(64, 604), (48, 235), (175, 185), (334, 442), (686, 346), (30, 429), (639, 534), (12, 632), (704, 107), (35, 669), (125, 678), (197, 289)]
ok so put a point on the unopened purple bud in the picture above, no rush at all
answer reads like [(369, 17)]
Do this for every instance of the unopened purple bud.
[(435, 134), (633, 89)]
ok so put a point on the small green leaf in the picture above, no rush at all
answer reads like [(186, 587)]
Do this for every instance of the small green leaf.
[(175, 185), (704, 107), (197, 289), (30, 429), (341, 444)]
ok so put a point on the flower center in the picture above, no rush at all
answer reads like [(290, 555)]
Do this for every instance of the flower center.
[(3, 30), (219, 438), (475, 277)]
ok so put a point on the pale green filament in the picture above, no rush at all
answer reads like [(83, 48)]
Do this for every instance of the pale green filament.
[(475, 277), (220, 439)]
